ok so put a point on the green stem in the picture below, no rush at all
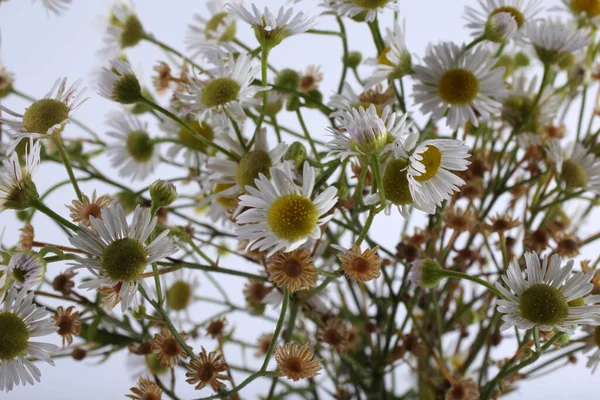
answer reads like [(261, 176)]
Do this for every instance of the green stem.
[(278, 327), (219, 270), (65, 158), (169, 49), (378, 180), (367, 226), (263, 74), (459, 275), (313, 147)]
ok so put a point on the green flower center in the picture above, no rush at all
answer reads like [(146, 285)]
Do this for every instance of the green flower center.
[(370, 4), (227, 202), (220, 91), (14, 336), (590, 7), (458, 86), (395, 182), (574, 175), (133, 32), (19, 275), (179, 295), (543, 304), (127, 90), (213, 24), (597, 336), (189, 140), (516, 14), (252, 163), (124, 260), (292, 217), (44, 114), (140, 146), (432, 159)]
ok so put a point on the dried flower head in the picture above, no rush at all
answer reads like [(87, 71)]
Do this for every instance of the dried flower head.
[(145, 390), (110, 295), (27, 237), (263, 343), (216, 328), (255, 291), (501, 223), (567, 245), (297, 362), (335, 334), (463, 390), (293, 270), (68, 324), (537, 241), (311, 78), (163, 77), (168, 348), (361, 266), (206, 370), (83, 209), (460, 220), (63, 282)]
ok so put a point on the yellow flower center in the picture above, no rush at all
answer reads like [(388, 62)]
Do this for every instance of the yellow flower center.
[(140, 146), (227, 202), (458, 86), (543, 304), (370, 4), (432, 159), (590, 7), (124, 260), (14, 336), (292, 217), (179, 295), (220, 91), (189, 140), (44, 114), (574, 175), (516, 14), (382, 59), (250, 166), (395, 182)]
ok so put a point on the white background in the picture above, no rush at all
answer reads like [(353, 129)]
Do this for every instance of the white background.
[(40, 49)]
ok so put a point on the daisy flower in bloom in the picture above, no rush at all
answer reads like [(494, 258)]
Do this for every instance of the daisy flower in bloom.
[(47, 115), (576, 167), (271, 29), (360, 9), (119, 83), (463, 83), (394, 61), (124, 29), (232, 177), (279, 215), (349, 100), (548, 296), (551, 38), (17, 188), (216, 31), (364, 132), (135, 154), (192, 149), (501, 20), (119, 253), (227, 93), (21, 320), (56, 6), (24, 271)]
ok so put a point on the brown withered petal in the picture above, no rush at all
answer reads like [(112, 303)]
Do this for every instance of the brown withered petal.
[(297, 362), (361, 266), (335, 334), (206, 369), (27, 237), (293, 270), (168, 349), (216, 328), (460, 220), (463, 390), (145, 390), (83, 209), (68, 324)]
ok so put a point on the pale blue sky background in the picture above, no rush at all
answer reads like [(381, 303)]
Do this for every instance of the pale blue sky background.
[(40, 49)]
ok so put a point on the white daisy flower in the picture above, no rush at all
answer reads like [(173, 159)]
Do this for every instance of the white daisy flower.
[(576, 167), (228, 92), (24, 271), (271, 29), (395, 61), (193, 150), (16, 185), (361, 8), (364, 132), (548, 296), (501, 20), (21, 320), (349, 100), (216, 31), (119, 83), (47, 115), (56, 6), (232, 177), (463, 83), (516, 108), (278, 214), (118, 250), (551, 38), (135, 154), (123, 30)]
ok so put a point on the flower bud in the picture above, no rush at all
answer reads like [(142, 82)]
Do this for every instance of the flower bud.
[(162, 193), (288, 78), (317, 96), (353, 59), (426, 273), (296, 153), (293, 103)]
